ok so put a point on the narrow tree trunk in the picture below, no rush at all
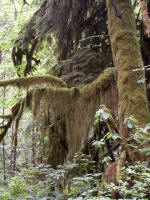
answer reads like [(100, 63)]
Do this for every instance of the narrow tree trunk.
[(33, 145), (25, 154), (127, 57), (12, 147), (15, 152), (4, 163), (14, 140)]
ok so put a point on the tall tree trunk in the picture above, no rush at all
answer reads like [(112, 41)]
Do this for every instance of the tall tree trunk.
[(33, 144), (4, 163), (15, 152), (4, 158), (12, 147), (127, 57)]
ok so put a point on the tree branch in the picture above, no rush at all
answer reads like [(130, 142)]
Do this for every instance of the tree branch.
[(118, 13), (27, 82)]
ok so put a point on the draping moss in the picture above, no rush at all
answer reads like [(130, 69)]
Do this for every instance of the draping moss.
[(57, 143), (15, 115), (77, 106), (14, 112)]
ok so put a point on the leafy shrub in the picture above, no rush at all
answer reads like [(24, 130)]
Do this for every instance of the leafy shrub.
[(135, 183), (17, 189), (78, 178)]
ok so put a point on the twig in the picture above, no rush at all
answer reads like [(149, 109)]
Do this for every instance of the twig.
[(118, 13)]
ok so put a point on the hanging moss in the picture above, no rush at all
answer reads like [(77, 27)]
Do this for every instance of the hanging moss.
[(57, 138), (5, 129), (77, 106), (37, 95), (18, 117), (28, 99), (14, 112)]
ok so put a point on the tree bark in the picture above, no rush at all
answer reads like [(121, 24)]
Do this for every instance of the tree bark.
[(127, 58), (33, 145)]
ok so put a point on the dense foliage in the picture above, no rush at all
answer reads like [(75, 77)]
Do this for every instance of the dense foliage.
[(58, 140)]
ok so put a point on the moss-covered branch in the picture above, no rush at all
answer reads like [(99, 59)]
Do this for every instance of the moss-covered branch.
[(5, 129), (5, 116), (18, 117), (15, 111), (107, 117), (27, 82)]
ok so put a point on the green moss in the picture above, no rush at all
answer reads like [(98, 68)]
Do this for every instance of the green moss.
[(127, 57), (77, 106), (102, 83), (27, 82)]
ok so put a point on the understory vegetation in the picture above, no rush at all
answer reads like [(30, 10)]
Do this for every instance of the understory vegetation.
[(78, 179)]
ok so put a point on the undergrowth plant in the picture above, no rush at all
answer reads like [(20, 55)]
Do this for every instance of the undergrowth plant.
[(78, 178), (135, 178), (135, 183)]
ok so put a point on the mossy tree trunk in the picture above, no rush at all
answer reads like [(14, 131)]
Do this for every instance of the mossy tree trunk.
[(127, 58)]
